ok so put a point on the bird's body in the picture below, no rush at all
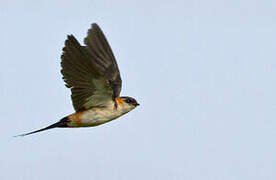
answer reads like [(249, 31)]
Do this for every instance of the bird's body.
[(99, 115), (92, 74)]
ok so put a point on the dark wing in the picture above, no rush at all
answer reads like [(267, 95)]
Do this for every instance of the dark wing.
[(103, 57), (91, 72)]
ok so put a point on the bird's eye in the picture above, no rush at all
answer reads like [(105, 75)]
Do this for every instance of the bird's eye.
[(128, 100)]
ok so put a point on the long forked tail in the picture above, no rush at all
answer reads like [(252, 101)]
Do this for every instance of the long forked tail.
[(62, 123)]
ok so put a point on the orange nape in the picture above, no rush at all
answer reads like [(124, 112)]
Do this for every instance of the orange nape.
[(119, 101)]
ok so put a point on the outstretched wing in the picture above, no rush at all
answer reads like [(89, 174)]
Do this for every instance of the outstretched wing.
[(90, 71), (103, 57)]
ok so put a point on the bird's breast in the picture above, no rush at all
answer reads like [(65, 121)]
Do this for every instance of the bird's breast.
[(93, 117)]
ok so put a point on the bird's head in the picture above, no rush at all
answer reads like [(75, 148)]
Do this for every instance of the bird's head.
[(127, 103)]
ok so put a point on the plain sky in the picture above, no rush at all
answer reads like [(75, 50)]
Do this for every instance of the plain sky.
[(204, 72)]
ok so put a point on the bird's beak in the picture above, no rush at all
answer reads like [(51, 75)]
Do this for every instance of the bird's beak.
[(137, 104)]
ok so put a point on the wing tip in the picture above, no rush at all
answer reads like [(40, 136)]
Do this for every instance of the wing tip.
[(94, 25)]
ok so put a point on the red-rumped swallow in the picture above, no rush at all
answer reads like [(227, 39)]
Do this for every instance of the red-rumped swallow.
[(92, 74)]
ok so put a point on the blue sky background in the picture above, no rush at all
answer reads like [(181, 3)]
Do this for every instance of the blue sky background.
[(204, 73)]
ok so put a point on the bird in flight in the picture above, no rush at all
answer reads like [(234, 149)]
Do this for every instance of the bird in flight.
[(92, 74)]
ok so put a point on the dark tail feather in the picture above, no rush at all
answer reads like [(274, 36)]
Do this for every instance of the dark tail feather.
[(62, 123)]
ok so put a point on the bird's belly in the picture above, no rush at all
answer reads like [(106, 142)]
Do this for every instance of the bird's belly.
[(96, 117)]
